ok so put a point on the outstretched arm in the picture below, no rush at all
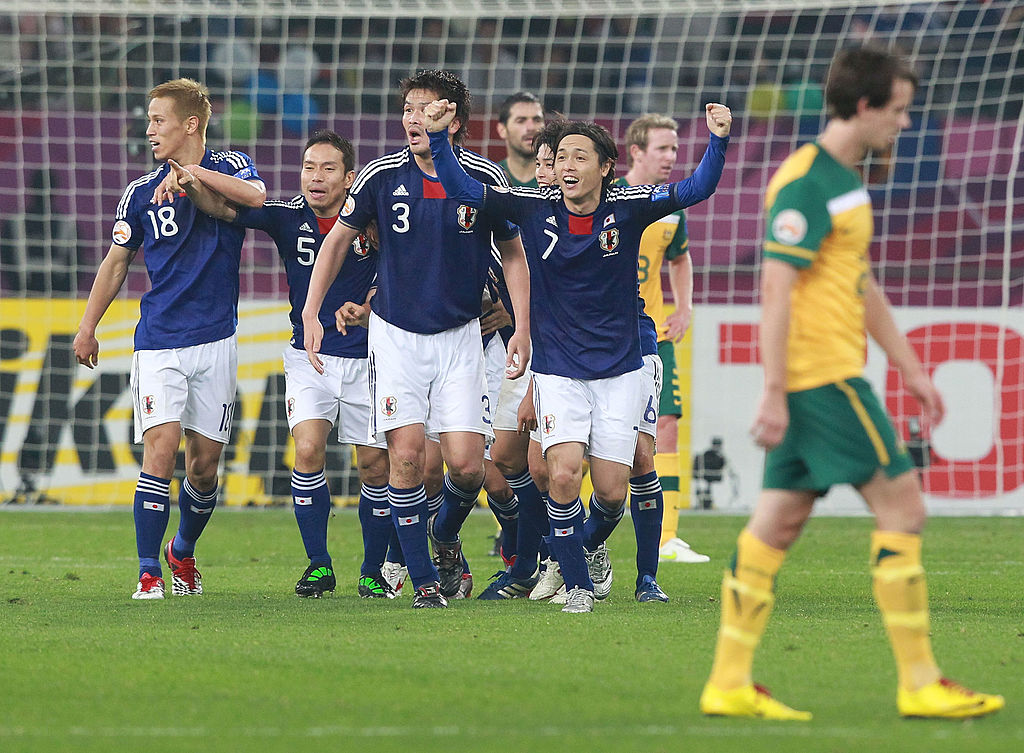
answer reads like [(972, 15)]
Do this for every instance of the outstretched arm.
[(205, 198), (457, 183), (704, 181)]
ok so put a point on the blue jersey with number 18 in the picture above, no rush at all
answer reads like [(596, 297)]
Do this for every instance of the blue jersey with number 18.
[(192, 259), (434, 251)]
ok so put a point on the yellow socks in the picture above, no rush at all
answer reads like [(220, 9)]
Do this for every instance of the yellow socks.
[(902, 598), (667, 467), (747, 600)]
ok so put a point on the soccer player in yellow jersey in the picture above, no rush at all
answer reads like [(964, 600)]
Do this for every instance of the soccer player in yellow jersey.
[(652, 145), (819, 421)]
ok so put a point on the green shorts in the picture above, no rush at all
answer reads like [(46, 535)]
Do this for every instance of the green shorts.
[(838, 434), (671, 403)]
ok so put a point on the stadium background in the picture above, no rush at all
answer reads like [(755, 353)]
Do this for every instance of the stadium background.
[(949, 206)]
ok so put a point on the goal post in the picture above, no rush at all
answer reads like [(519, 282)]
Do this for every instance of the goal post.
[(949, 248)]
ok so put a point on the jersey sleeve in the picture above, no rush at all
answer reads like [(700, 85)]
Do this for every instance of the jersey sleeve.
[(257, 218), (239, 165), (797, 223), (359, 209), (128, 230), (680, 243), (671, 197)]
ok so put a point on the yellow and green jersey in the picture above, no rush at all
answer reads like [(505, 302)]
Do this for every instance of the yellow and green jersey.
[(664, 239), (819, 220)]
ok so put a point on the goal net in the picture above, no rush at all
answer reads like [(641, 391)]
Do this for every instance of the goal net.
[(948, 201)]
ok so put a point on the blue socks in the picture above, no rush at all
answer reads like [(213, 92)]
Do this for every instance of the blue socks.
[(567, 542), (533, 525), (312, 504), (151, 509), (645, 507), (377, 526), (409, 512), (600, 523), (196, 508), (458, 503), (507, 514)]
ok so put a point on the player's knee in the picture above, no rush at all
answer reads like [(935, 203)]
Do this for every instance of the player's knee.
[(466, 475), (372, 468)]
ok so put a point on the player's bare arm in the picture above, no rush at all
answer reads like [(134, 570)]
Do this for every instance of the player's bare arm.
[(517, 279), (526, 416), (325, 269), (719, 118), (772, 417), (680, 275), (206, 199), (109, 278), (879, 322)]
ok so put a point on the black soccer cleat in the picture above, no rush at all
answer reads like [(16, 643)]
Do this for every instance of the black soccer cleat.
[(429, 597), (447, 560), (375, 587), (316, 581)]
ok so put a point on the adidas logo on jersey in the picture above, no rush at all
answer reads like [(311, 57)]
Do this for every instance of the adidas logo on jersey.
[(400, 191), (552, 221), (305, 228)]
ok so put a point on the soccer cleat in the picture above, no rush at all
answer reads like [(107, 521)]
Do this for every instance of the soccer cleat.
[(677, 550), (447, 559), (375, 587), (559, 597), (509, 561), (649, 590), (395, 575), (317, 580), (429, 597), (550, 582), (600, 567), (185, 579), (150, 587), (579, 600), (945, 699), (466, 587), (504, 586), (748, 701)]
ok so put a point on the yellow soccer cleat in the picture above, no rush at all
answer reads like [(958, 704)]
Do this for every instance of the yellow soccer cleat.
[(945, 699), (748, 701)]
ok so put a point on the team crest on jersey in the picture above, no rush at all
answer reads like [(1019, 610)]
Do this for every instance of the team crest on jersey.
[(148, 404), (789, 227), (361, 246), (349, 207), (389, 405), (548, 423), (122, 232), (467, 216), (609, 240), (291, 406)]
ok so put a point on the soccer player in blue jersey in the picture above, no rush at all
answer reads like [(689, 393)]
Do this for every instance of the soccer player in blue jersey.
[(341, 395), (426, 358), (582, 243), (184, 367)]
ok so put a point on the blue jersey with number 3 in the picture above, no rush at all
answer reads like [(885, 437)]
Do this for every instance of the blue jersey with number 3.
[(434, 251), (192, 259), (295, 230)]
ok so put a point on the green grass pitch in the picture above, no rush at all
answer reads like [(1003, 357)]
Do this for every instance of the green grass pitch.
[(249, 666)]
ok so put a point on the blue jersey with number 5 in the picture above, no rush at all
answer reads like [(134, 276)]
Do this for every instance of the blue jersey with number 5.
[(192, 259), (434, 251)]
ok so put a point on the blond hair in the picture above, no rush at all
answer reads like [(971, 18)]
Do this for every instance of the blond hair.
[(190, 99), (639, 128)]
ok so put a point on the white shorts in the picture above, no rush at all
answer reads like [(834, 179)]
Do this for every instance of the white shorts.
[(194, 386), (601, 413), (340, 395), (652, 371), (436, 380)]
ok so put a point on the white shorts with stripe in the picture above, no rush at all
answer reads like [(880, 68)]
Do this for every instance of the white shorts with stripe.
[(194, 386), (437, 380), (340, 395), (652, 371), (600, 413)]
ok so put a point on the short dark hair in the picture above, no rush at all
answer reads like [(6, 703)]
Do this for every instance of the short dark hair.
[(446, 85), (343, 145), (550, 134), (604, 144), (859, 72), (519, 98)]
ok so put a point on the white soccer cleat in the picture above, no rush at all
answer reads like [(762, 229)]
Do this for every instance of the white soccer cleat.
[(599, 565), (677, 550), (550, 583), (579, 601), (395, 575), (560, 595), (150, 587)]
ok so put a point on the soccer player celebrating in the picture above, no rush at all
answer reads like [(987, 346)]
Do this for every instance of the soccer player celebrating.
[(520, 119), (427, 369), (819, 421), (184, 366), (341, 394), (582, 240), (652, 144)]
